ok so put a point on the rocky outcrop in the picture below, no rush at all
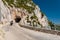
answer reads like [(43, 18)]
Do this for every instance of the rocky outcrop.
[(27, 10)]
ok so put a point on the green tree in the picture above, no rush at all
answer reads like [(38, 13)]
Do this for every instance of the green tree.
[(51, 25)]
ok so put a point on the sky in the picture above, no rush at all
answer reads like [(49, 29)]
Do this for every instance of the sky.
[(51, 8)]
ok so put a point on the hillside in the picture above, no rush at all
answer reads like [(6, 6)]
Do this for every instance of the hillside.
[(27, 10)]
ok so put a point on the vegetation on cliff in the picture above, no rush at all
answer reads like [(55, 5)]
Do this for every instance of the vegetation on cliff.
[(21, 4)]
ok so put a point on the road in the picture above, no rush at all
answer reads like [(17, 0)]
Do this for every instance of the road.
[(15, 32)]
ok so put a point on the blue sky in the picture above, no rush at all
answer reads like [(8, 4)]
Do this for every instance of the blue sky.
[(51, 8)]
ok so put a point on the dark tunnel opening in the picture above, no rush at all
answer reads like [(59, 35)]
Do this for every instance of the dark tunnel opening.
[(17, 19)]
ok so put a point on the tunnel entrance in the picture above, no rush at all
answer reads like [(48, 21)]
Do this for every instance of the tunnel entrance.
[(17, 19)]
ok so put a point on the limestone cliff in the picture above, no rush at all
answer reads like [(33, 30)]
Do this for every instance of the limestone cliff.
[(27, 10)]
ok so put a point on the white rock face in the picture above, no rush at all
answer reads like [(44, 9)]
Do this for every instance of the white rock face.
[(8, 14), (5, 13), (44, 20)]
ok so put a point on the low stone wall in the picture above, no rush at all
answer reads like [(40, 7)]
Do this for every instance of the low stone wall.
[(42, 30)]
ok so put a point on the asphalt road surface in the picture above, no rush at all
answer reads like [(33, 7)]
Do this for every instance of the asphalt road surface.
[(15, 32)]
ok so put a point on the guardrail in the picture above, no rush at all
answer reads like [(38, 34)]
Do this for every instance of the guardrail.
[(42, 30)]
